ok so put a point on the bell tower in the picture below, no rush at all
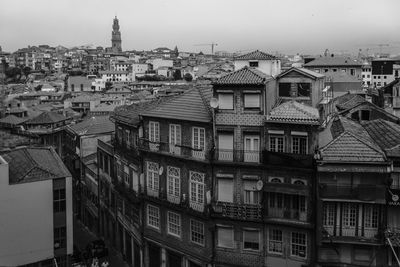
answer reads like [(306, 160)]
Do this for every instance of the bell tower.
[(116, 37)]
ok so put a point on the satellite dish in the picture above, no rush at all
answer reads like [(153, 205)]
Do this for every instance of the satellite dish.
[(214, 102), (161, 170), (395, 198), (259, 185)]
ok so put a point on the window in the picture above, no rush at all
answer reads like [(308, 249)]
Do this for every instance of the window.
[(60, 237), (59, 203), (276, 143), (174, 181), (326, 70), (365, 115), (299, 245), (225, 190), (126, 175), (299, 145), (72, 87), (118, 170), (199, 138), (174, 224), (343, 70), (352, 72), (284, 89), (152, 176), (371, 216), (303, 89), (251, 195), (251, 239), (253, 64), (135, 180), (275, 241), (81, 87), (349, 214), (252, 101), (154, 132), (197, 187), (174, 137), (225, 101), (127, 138), (197, 232), (153, 216), (275, 201), (225, 236), (334, 70), (329, 213)]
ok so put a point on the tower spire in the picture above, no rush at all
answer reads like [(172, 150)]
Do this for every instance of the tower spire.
[(116, 36)]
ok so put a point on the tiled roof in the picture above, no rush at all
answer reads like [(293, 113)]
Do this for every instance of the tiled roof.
[(47, 117), (307, 72), (294, 112), (333, 61), (351, 143), (31, 164), (193, 105), (11, 119), (93, 125), (385, 133), (245, 75), (348, 101), (341, 77), (256, 55)]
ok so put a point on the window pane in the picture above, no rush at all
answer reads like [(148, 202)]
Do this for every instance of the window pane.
[(252, 101), (284, 89), (225, 237), (225, 101)]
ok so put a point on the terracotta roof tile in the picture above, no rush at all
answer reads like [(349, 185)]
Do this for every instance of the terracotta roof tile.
[(47, 117), (256, 55), (245, 75), (190, 106), (294, 112), (11, 119), (348, 101), (333, 61), (93, 125), (306, 72), (385, 133)]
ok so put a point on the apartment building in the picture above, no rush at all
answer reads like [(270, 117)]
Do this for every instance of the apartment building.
[(36, 207)]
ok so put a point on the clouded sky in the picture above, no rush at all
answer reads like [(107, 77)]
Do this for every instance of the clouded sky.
[(287, 26)]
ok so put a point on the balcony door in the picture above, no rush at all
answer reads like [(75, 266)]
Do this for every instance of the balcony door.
[(349, 218), (252, 148), (225, 146), (174, 139)]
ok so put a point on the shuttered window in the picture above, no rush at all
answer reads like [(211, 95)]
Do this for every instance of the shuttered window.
[(225, 190), (225, 101), (252, 101)]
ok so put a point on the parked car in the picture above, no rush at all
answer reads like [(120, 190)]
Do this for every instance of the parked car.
[(97, 248)]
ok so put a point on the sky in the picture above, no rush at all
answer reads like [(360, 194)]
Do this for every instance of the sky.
[(284, 26)]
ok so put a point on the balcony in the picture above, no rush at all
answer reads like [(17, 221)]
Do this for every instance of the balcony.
[(287, 159), (173, 199), (290, 214), (173, 149), (236, 155), (249, 212), (362, 192), (350, 234), (196, 206)]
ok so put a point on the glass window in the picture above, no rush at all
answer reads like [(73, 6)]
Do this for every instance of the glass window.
[(349, 214), (174, 224), (153, 216), (251, 239), (299, 145), (197, 232), (59, 203), (126, 175), (152, 176), (275, 241), (371, 216), (253, 64), (197, 187), (329, 213), (154, 132), (251, 194), (252, 101), (303, 89), (60, 237), (174, 181), (225, 190), (225, 236), (284, 89), (225, 101), (199, 140), (276, 143), (299, 245)]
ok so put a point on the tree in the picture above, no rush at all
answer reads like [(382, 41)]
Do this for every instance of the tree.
[(188, 77), (177, 75)]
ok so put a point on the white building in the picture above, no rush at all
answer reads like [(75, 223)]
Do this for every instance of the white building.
[(116, 76), (159, 62), (35, 208), (366, 72), (264, 62)]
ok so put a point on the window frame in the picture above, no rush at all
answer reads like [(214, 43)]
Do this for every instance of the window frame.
[(276, 142), (197, 186), (247, 94), (198, 139), (193, 227), (177, 224), (298, 245), (59, 203), (244, 238), (299, 137), (223, 107), (154, 131), (226, 227), (275, 241), (172, 180), (155, 218)]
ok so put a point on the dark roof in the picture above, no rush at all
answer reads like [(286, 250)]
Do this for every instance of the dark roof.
[(256, 55), (129, 114), (11, 119), (192, 105), (351, 143), (33, 164), (348, 101), (333, 61), (93, 125), (385, 133), (306, 72), (47, 117), (245, 75), (294, 112)]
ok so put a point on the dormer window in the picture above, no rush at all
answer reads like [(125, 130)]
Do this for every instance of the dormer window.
[(253, 64)]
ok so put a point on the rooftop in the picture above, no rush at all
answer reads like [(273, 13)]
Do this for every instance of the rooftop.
[(333, 61), (256, 55), (294, 112), (245, 75), (385, 133), (47, 117), (93, 126), (306, 72), (34, 164)]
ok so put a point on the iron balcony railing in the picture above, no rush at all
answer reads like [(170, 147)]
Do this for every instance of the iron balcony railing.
[(174, 149), (290, 214), (238, 155), (252, 212)]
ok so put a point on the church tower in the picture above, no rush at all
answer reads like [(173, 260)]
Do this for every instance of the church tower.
[(116, 37)]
